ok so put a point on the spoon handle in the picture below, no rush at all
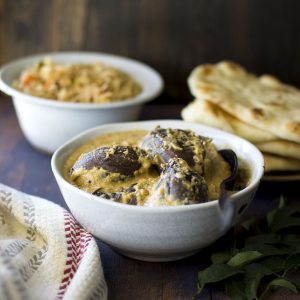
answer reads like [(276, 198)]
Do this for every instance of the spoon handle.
[(225, 203)]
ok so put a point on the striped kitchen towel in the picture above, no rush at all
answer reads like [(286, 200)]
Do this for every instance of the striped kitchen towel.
[(44, 252)]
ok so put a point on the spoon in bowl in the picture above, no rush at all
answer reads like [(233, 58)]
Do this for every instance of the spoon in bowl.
[(226, 206)]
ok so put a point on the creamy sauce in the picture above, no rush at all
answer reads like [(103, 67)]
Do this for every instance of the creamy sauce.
[(215, 171), (124, 138), (144, 179)]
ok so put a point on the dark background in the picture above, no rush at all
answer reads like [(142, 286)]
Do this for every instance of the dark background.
[(173, 36)]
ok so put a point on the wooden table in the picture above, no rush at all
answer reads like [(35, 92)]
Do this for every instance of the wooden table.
[(28, 170)]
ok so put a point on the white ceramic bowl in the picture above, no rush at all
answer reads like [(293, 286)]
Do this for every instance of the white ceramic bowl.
[(157, 233), (47, 124)]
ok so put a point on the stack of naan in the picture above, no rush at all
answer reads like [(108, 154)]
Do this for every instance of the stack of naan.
[(261, 109)]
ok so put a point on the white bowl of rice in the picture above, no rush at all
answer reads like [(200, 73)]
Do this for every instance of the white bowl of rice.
[(58, 95)]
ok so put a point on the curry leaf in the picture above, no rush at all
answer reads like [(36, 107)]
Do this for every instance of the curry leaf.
[(274, 263), (292, 262), (284, 222), (291, 239), (245, 287), (285, 218), (220, 257), (235, 289), (284, 283), (262, 251), (215, 273), (271, 214), (263, 239), (268, 250), (254, 273), (279, 282), (249, 223), (244, 258)]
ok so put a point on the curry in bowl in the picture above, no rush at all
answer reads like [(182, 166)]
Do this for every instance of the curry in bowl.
[(163, 167)]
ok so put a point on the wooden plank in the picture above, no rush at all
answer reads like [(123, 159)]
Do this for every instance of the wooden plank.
[(172, 36)]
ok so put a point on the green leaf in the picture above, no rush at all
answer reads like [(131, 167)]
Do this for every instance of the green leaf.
[(284, 222), (291, 239), (215, 273), (262, 252), (292, 262), (245, 287), (284, 218), (220, 257), (248, 224), (268, 250), (270, 216), (284, 283), (235, 289), (270, 238), (282, 202), (243, 258), (274, 263), (254, 273)]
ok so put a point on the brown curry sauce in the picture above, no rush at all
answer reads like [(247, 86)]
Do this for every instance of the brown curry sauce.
[(95, 179)]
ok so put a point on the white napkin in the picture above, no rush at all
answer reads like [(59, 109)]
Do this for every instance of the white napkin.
[(44, 252)]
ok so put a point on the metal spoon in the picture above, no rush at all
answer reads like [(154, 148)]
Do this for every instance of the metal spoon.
[(226, 206)]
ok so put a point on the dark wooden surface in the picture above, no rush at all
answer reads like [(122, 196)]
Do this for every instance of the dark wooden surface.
[(28, 170), (171, 35)]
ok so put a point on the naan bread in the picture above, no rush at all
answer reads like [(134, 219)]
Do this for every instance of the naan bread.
[(281, 148), (279, 163), (208, 113), (263, 102)]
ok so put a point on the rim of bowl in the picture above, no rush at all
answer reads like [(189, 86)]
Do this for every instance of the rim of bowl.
[(143, 97), (259, 168)]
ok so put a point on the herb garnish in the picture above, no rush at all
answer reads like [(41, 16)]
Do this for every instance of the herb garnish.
[(260, 257)]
